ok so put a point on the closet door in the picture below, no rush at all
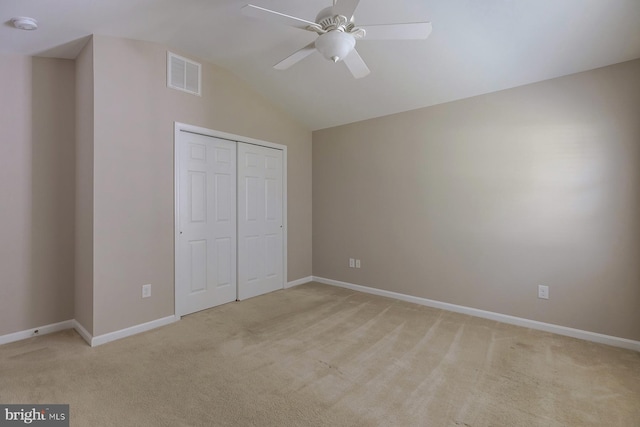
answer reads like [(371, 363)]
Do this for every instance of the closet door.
[(206, 247), (260, 220)]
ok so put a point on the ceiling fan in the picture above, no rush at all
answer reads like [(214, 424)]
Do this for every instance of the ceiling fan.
[(337, 34)]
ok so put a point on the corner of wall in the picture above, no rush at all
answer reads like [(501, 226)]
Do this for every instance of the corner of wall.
[(83, 291)]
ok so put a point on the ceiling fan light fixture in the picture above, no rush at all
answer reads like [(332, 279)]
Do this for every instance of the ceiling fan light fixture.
[(337, 34), (335, 45)]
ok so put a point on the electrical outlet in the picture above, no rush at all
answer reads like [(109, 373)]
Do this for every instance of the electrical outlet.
[(357, 263), (146, 291), (352, 263), (543, 292)]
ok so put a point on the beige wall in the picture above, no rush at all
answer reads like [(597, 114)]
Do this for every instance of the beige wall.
[(36, 190), (477, 202), (83, 292), (133, 173), (474, 202)]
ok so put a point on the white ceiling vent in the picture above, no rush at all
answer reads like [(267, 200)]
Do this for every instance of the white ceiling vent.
[(183, 74)]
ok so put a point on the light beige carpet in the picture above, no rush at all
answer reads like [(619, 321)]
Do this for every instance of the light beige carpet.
[(317, 355)]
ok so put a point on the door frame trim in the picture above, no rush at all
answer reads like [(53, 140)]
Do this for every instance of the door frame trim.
[(183, 127)]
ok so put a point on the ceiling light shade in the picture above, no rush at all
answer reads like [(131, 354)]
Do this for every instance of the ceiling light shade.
[(335, 45), (24, 23)]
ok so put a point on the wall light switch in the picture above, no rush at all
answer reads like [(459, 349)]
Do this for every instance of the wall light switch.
[(352, 263), (357, 263), (146, 291)]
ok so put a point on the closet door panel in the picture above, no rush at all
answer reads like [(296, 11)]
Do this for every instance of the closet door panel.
[(260, 232), (207, 241)]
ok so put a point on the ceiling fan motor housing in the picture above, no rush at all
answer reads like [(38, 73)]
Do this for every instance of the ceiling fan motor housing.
[(329, 20), (326, 13)]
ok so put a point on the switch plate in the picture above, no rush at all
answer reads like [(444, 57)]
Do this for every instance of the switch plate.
[(357, 263), (146, 291), (352, 263), (543, 292)]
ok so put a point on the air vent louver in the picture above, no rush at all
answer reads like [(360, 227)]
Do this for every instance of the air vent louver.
[(183, 74)]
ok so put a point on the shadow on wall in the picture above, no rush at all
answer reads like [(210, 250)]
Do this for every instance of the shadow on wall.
[(67, 50), (51, 264)]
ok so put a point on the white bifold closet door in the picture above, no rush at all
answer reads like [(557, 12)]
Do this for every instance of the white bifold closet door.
[(260, 220), (206, 259)]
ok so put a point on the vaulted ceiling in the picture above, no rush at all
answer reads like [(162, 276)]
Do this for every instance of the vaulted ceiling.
[(476, 46)]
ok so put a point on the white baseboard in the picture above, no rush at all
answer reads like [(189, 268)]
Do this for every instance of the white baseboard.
[(297, 282), (41, 330), (504, 318), (82, 331), (133, 330), (91, 340)]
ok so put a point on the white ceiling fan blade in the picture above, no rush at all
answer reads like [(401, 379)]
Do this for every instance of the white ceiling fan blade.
[(410, 31), (356, 65), (277, 17), (296, 57), (345, 7)]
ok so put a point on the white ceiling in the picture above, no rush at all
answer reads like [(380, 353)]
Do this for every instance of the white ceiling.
[(476, 47)]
